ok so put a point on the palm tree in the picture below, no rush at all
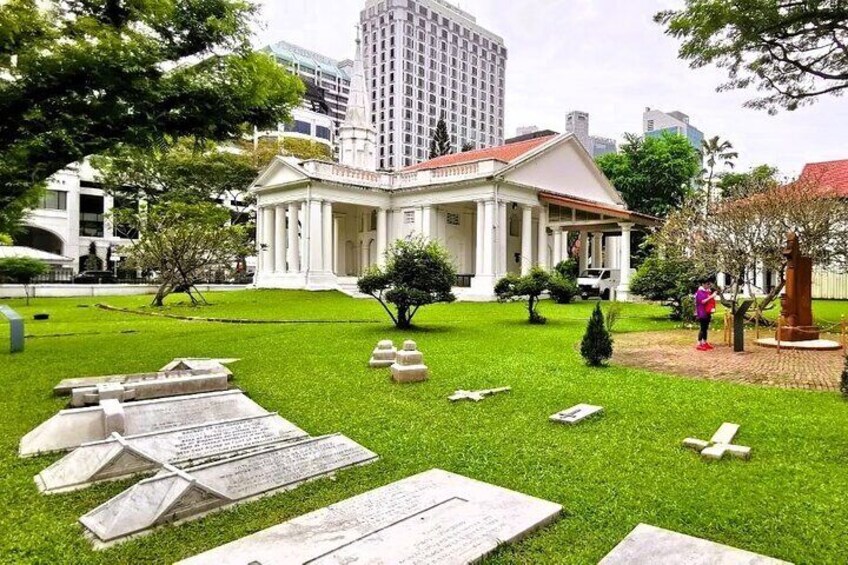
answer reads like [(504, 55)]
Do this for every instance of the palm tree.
[(714, 151)]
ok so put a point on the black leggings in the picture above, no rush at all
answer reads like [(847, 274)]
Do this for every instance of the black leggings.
[(705, 327)]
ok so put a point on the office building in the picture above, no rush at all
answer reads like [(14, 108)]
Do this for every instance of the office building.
[(426, 59), (525, 130), (577, 123), (655, 122)]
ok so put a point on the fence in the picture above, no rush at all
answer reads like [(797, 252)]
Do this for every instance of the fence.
[(65, 276), (830, 285)]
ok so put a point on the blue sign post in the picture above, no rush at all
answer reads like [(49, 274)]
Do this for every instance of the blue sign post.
[(16, 324)]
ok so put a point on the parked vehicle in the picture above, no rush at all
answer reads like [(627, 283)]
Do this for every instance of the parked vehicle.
[(95, 277), (598, 282)]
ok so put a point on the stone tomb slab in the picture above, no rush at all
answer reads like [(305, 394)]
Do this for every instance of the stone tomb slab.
[(197, 364), (649, 545), (186, 382), (119, 456), (176, 495), (432, 517), (67, 386), (73, 427), (576, 414)]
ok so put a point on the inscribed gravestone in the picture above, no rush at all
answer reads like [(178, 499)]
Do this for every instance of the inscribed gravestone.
[(121, 456), (160, 386), (432, 517), (576, 413), (175, 494)]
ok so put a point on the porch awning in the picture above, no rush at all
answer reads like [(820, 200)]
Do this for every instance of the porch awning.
[(606, 210)]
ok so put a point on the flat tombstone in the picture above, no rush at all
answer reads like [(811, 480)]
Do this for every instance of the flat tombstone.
[(648, 545), (121, 456), (576, 414), (432, 517), (16, 327), (175, 494), (186, 382), (73, 427), (67, 386), (198, 364)]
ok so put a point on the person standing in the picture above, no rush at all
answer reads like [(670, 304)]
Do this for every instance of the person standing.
[(705, 305)]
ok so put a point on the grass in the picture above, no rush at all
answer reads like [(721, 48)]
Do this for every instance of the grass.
[(609, 474)]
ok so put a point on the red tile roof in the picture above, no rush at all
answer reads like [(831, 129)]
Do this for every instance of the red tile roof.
[(505, 153), (831, 174)]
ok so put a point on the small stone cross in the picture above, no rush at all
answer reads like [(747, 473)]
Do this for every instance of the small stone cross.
[(476, 395), (719, 444)]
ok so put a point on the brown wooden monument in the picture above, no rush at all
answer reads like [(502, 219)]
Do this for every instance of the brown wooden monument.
[(797, 302)]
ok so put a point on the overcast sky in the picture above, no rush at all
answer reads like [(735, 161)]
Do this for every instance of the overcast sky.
[(605, 57)]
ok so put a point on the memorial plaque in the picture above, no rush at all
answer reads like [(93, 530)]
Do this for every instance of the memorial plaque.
[(648, 545), (432, 517), (66, 386), (120, 456), (186, 382), (73, 427), (197, 364), (576, 414), (174, 494)]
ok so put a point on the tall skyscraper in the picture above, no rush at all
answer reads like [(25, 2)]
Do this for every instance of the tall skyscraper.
[(654, 122), (577, 122), (525, 130), (427, 59)]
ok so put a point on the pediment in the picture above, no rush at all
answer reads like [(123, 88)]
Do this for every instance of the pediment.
[(280, 171)]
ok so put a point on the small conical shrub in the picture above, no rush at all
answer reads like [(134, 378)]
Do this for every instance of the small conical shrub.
[(596, 346), (843, 385)]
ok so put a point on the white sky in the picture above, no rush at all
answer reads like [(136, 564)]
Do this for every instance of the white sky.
[(605, 57)]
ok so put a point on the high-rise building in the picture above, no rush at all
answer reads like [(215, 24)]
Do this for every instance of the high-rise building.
[(327, 80), (655, 122), (426, 59), (525, 130), (577, 122)]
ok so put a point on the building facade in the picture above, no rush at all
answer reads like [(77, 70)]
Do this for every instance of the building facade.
[(307, 125), (497, 210), (426, 59), (655, 122), (577, 123)]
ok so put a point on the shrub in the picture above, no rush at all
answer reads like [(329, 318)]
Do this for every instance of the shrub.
[(613, 314), (563, 289), (568, 269), (596, 346), (531, 286), (669, 281), (843, 385), (418, 272)]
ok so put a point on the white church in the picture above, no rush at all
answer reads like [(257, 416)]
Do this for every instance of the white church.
[(497, 210)]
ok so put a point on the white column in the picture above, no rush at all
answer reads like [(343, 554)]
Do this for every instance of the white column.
[(481, 235), (612, 252), (280, 239), (260, 261), (363, 256), (623, 290), (268, 238), (557, 246), (304, 236), (316, 248), (426, 221), (583, 259), (566, 252), (489, 238), (502, 262), (294, 240), (382, 239), (337, 230), (542, 243), (327, 236), (597, 252), (526, 239)]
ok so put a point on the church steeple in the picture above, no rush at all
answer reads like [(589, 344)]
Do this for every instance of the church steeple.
[(357, 136)]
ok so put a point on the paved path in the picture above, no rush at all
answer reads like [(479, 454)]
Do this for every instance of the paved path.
[(674, 352)]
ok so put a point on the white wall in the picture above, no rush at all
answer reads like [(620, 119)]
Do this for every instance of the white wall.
[(70, 290)]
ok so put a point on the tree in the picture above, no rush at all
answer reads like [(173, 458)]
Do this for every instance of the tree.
[(92, 261), (757, 179), (654, 175), (182, 242), (742, 235), (794, 51), (467, 146), (80, 77), (529, 287), (418, 272), (715, 151), (440, 143), (596, 346), (671, 280), (22, 270)]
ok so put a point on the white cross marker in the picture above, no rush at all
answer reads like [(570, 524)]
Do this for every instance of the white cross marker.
[(719, 444), (476, 395)]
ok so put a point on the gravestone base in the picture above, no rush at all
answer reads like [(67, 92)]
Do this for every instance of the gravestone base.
[(806, 345), (409, 373)]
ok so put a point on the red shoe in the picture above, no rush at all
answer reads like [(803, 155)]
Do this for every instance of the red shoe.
[(701, 347), (708, 347)]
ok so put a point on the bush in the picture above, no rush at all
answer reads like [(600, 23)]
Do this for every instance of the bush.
[(843, 386), (418, 272), (613, 315), (669, 281), (596, 346), (568, 269), (562, 289), (514, 287)]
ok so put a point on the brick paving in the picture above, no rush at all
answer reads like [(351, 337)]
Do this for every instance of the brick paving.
[(674, 352)]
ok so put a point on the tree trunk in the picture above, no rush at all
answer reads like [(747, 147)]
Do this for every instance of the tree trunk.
[(739, 312), (164, 290), (403, 320)]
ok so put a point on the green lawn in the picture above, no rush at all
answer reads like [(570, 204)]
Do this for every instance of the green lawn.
[(790, 501)]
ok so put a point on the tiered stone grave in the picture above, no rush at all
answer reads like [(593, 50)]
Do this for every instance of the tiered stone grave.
[(409, 367), (384, 355)]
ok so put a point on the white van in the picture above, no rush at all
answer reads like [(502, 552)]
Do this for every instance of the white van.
[(598, 282)]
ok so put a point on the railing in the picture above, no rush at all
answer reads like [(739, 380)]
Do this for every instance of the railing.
[(67, 277)]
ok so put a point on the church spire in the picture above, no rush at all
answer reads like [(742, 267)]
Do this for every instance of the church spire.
[(357, 137)]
